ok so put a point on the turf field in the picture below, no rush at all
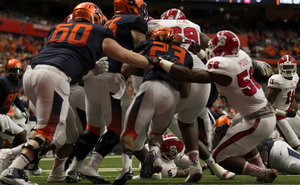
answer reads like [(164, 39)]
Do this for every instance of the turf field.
[(111, 166)]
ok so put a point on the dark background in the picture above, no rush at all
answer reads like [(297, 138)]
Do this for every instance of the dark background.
[(237, 16)]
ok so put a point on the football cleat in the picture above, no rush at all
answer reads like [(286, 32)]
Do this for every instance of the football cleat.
[(15, 176), (56, 177), (71, 176), (89, 173), (34, 168), (223, 174), (195, 174), (121, 179), (6, 158), (270, 176), (147, 167)]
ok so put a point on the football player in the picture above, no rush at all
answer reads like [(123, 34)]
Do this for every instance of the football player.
[(107, 95), (71, 51), (156, 100), (230, 69), (281, 93), (192, 106), (275, 153), (10, 85), (174, 162)]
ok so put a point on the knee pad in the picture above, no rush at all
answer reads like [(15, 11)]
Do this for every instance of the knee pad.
[(38, 152), (85, 144), (107, 142)]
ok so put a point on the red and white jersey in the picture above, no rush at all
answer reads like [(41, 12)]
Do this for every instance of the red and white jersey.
[(244, 94), (187, 30), (169, 169), (287, 87)]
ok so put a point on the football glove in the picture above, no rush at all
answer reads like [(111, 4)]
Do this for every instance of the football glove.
[(101, 66), (262, 66)]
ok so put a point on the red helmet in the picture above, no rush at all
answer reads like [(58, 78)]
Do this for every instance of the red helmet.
[(171, 147), (68, 19), (137, 7), (287, 66), (225, 119), (88, 11), (223, 43), (173, 13), (14, 69)]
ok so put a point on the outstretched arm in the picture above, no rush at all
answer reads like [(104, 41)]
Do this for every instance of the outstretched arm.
[(197, 76), (113, 50)]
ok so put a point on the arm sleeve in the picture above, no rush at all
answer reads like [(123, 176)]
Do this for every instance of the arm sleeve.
[(19, 104)]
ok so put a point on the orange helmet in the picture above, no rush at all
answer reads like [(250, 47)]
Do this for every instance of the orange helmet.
[(225, 119), (14, 69), (164, 34), (88, 11), (137, 7)]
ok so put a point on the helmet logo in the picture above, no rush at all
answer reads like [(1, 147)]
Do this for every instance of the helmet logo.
[(173, 150), (222, 40)]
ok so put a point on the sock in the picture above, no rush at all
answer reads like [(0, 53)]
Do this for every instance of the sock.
[(20, 162), (194, 158), (95, 160), (254, 170), (58, 165), (75, 165), (127, 158), (17, 150), (257, 160)]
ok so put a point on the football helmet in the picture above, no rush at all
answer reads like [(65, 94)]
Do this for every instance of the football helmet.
[(88, 11), (173, 13), (223, 43), (287, 66), (224, 119), (68, 19), (14, 69), (171, 147), (165, 34), (137, 7)]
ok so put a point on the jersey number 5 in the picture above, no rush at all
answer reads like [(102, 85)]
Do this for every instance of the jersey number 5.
[(246, 81)]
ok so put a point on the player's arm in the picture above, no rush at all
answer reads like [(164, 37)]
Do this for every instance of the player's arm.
[(113, 50), (137, 36), (128, 70), (204, 41), (183, 173), (294, 104), (272, 94), (197, 76)]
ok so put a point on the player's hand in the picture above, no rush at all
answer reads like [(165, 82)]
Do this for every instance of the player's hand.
[(26, 116), (262, 66), (194, 48), (101, 66), (290, 113), (155, 61)]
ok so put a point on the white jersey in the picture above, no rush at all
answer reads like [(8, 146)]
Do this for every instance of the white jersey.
[(287, 87), (187, 30), (244, 94), (283, 157)]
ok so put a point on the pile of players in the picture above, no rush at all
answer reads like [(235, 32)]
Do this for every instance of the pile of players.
[(77, 90)]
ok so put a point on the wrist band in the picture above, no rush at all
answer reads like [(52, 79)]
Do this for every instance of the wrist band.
[(201, 54), (166, 65)]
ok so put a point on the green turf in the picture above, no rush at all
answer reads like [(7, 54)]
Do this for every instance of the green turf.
[(111, 166)]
